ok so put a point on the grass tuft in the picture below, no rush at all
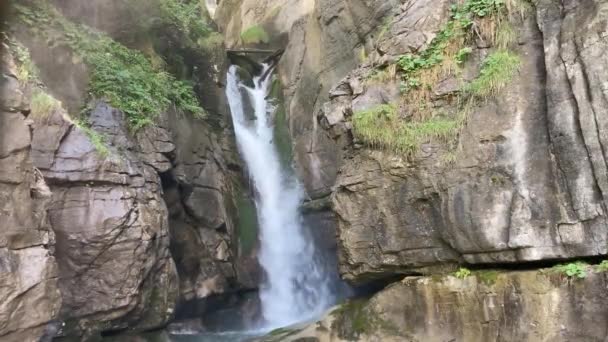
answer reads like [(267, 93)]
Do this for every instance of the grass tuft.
[(496, 72), (380, 127), (98, 140), (42, 104)]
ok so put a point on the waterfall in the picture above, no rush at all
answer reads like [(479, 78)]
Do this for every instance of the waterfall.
[(297, 285)]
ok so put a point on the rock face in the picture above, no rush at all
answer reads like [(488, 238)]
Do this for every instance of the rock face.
[(29, 295), (145, 223), (111, 225), (323, 41), (487, 306), (526, 180)]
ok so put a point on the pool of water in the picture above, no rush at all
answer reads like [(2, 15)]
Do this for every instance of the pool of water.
[(215, 337)]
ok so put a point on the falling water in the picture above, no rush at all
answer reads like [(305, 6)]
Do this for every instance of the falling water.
[(297, 286)]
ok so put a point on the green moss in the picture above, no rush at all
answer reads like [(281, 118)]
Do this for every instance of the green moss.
[(123, 77), (488, 277), (247, 221), (282, 137), (255, 35), (496, 72)]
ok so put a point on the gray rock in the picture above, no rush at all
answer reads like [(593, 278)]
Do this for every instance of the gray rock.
[(111, 225), (529, 173), (30, 298)]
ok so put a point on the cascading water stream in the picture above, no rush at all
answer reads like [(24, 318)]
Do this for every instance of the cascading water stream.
[(297, 285)]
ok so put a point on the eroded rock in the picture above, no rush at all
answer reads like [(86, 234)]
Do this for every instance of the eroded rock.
[(487, 306), (29, 295)]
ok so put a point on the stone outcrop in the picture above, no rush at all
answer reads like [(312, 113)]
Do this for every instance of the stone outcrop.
[(111, 224), (29, 295), (525, 182), (146, 222), (486, 306)]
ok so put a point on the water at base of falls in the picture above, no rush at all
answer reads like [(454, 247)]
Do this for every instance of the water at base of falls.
[(297, 286)]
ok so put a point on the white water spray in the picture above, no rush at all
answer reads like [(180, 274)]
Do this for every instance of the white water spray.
[(297, 288)]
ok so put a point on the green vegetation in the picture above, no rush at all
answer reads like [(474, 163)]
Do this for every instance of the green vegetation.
[(247, 222), (97, 139), (576, 269), (487, 277), (282, 137), (42, 104), (496, 72), (26, 69), (186, 16), (255, 35), (123, 77), (462, 273), (463, 54), (383, 127), (603, 266), (189, 18)]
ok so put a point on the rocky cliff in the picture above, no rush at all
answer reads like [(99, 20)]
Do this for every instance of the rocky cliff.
[(445, 133), (521, 181), (117, 219), (485, 306), (28, 269), (429, 135)]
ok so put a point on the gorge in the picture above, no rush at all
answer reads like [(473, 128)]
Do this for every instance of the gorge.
[(304, 170)]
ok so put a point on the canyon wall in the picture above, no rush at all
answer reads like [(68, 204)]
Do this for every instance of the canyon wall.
[(519, 184), (111, 229)]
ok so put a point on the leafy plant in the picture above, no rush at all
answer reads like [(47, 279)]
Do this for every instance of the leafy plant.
[(482, 8), (186, 16), (255, 35), (123, 77), (462, 273), (572, 270)]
